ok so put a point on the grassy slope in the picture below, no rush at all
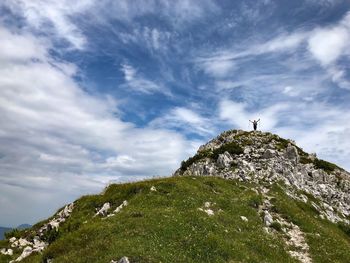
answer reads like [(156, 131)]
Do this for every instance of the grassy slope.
[(166, 226)]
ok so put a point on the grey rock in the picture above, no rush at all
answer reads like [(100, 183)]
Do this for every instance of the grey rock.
[(267, 218), (291, 154), (224, 160), (124, 260), (269, 154)]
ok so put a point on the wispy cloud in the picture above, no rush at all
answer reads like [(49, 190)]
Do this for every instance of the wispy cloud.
[(186, 120), (52, 16), (135, 81)]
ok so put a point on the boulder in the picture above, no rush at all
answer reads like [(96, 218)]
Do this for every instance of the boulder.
[(104, 209), (267, 218), (244, 219), (224, 160), (291, 154), (268, 154)]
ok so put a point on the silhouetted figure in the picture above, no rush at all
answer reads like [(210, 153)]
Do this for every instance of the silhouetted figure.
[(255, 124)]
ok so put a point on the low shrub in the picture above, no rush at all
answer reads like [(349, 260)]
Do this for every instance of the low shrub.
[(13, 233), (199, 156), (232, 148), (345, 228), (326, 166), (277, 226)]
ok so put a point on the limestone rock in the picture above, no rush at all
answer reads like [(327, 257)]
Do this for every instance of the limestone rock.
[(104, 209), (269, 154), (224, 160), (243, 218), (291, 154), (267, 218)]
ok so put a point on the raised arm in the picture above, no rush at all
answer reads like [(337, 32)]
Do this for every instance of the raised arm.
[(250, 121), (258, 120)]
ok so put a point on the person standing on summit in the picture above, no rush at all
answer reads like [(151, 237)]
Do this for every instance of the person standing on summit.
[(255, 124)]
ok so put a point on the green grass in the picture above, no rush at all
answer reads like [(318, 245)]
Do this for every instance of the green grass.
[(166, 226)]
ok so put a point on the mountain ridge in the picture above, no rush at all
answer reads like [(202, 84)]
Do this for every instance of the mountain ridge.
[(243, 197)]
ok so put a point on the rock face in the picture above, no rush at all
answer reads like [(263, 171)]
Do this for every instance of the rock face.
[(265, 157)]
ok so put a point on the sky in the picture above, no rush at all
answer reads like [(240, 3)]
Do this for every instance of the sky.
[(94, 92)]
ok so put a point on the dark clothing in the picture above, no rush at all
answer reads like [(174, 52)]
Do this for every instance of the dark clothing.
[(255, 125)]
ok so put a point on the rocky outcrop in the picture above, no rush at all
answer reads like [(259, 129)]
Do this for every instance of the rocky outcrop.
[(38, 243), (268, 158)]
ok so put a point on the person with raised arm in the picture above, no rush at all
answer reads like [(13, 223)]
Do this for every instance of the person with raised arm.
[(255, 124)]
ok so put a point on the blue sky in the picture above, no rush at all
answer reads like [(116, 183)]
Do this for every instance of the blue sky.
[(102, 91)]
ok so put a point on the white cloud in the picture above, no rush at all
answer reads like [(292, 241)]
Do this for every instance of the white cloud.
[(290, 91), (135, 81), (219, 67), (176, 11), (327, 45), (53, 16), (187, 120), (56, 140), (154, 39)]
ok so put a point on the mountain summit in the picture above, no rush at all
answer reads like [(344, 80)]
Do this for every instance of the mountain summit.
[(267, 158), (243, 197)]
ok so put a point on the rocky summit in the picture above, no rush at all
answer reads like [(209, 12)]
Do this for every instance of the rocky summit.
[(243, 197), (267, 158)]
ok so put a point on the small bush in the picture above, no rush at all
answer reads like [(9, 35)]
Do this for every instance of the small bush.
[(232, 148), (199, 156), (282, 144), (51, 235), (277, 226), (326, 166), (255, 201), (13, 233), (136, 214), (305, 160), (345, 228)]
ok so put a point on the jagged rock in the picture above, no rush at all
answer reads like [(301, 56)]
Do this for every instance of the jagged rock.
[(5, 251), (291, 154), (153, 189), (269, 154), (21, 243), (224, 160), (267, 218), (104, 209), (27, 251), (117, 210), (264, 161)]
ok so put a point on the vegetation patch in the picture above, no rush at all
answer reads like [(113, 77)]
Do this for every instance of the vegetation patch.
[(277, 226), (199, 156), (232, 148), (344, 227), (324, 165), (14, 233), (305, 159)]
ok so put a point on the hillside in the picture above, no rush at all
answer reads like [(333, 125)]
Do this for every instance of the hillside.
[(244, 197)]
